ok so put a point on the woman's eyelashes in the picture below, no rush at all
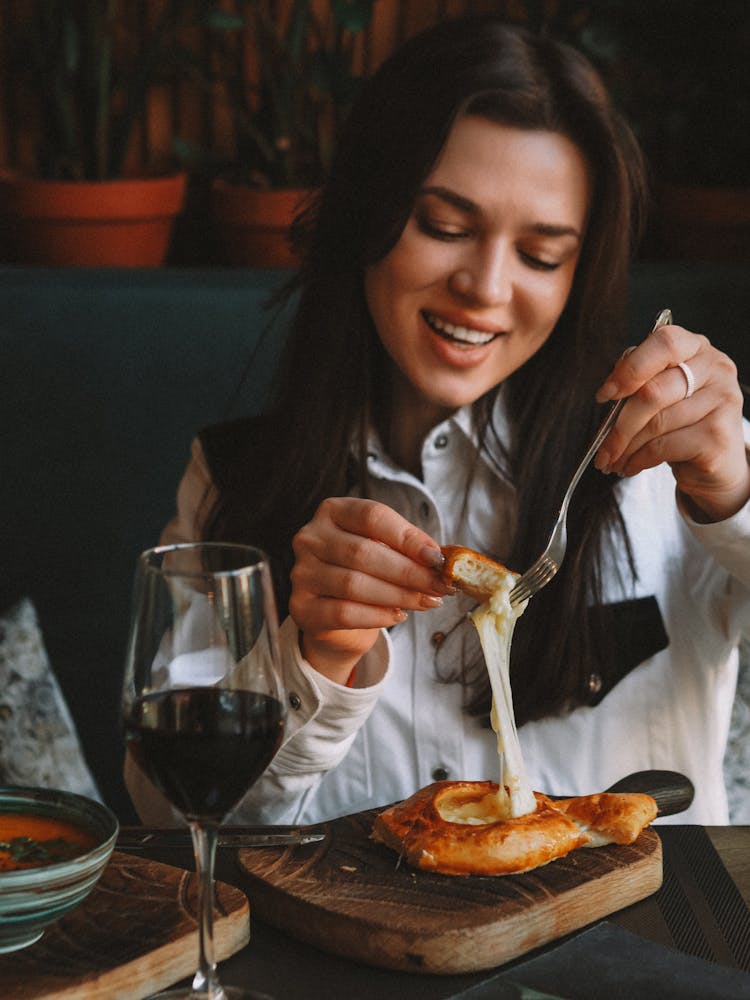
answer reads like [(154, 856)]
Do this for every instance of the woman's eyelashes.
[(453, 232), (441, 231), (449, 233), (539, 263)]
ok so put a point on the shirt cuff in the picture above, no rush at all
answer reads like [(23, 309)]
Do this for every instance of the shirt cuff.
[(324, 717), (728, 541)]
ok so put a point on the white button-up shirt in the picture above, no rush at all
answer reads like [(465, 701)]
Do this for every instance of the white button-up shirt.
[(401, 726)]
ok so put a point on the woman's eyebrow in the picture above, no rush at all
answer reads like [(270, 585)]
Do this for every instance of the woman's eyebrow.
[(457, 200), (549, 229), (470, 207)]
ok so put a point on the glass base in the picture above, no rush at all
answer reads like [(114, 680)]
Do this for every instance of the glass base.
[(229, 993)]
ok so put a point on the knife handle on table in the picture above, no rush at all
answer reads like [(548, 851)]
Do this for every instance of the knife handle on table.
[(146, 838)]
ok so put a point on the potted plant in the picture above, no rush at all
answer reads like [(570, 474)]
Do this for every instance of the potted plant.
[(83, 84), (286, 82)]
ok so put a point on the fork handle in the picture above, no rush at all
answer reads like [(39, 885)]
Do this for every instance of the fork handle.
[(662, 319), (606, 427)]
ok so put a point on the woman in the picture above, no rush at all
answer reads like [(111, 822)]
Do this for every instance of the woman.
[(459, 320)]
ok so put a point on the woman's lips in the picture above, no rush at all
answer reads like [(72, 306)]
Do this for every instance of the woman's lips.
[(465, 336)]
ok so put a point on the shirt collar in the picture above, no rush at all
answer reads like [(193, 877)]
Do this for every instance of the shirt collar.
[(459, 422), (498, 441)]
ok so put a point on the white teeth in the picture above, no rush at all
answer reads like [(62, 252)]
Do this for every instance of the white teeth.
[(462, 333)]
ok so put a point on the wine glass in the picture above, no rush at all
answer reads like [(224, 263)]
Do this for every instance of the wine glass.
[(203, 707)]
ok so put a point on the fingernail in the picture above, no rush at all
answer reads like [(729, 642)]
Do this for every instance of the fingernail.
[(427, 601), (601, 461), (399, 615), (608, 391), (432, 557)]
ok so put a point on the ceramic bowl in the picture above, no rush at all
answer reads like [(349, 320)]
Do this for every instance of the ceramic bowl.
[(33, 898)]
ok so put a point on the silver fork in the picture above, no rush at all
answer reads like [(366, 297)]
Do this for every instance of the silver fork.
[(540, 573)]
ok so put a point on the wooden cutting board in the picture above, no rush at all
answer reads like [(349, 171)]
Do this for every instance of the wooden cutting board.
[(350, 896), (135, 934)]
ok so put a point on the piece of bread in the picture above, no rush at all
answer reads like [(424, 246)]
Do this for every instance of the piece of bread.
[(418, 831), (474, 573), (610, 817)]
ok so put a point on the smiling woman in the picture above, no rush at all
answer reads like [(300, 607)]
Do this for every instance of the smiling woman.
[(459, 323)]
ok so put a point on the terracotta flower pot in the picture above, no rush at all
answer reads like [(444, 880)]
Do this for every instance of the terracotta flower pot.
[(119, 223), (252, 224)]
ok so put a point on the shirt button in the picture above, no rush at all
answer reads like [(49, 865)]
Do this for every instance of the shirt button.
[(441, 441), (438, 638), (440, 774), (295, 701), (595, 684)]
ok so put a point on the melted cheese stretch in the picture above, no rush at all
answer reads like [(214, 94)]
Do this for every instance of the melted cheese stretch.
[(495, 621)]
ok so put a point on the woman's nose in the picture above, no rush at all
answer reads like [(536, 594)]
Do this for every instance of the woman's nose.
[(486, 277)]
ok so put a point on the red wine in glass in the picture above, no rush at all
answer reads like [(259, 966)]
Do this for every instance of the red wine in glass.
[(204, 747), (203, 705)]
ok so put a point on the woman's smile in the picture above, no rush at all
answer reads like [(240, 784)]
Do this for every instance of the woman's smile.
[(465, 334), (460, 347)]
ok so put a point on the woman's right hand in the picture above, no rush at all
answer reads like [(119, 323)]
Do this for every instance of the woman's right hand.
[(359, 567)]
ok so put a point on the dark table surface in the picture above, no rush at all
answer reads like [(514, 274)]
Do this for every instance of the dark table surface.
[(689, 939)]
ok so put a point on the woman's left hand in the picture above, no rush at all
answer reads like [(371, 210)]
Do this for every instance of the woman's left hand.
[(700, 435)]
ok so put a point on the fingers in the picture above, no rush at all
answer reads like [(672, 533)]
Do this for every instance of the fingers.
[(360, 550), (370, 520), (360, 565), (689, 417), (653, 412), (659, 403), (663, 349), (343, 590)]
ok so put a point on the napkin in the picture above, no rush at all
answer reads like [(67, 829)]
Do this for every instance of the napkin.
[(607, 962)]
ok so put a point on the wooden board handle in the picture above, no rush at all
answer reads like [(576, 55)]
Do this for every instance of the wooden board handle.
[(672, 791)]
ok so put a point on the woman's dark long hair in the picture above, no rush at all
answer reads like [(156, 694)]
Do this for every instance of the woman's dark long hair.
[(327, 393)]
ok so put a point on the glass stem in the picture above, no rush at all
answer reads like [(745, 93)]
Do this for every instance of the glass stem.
[(206, 985)]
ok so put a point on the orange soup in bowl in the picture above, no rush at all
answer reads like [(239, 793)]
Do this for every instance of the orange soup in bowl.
[(28, 841)]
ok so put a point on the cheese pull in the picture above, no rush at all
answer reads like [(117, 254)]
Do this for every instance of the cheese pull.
[(490, 583)]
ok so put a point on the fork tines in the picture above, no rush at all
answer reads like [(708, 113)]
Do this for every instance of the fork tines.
[(533, 580)]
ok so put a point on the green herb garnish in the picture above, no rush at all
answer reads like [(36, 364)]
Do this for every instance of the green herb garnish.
[(26, 850)]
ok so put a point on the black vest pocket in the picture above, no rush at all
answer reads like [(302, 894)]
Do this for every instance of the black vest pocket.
[(637, 632)]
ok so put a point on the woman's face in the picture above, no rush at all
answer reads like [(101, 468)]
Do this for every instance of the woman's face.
[(483, 267)]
